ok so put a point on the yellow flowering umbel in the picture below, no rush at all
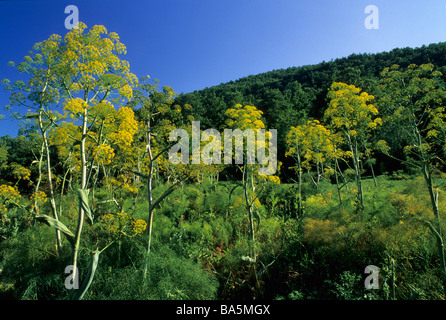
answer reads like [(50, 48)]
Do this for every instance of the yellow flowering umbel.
[(8, 196), (126, 127), (21, 173), (75, 106), (103, 154), (139, 226), (122, 224), (39, 197), (122, 183)]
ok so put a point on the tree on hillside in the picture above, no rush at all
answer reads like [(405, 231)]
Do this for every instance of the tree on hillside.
[(413, 100), (39, 95), (313, 146), (249, 125), (351, 113), (82, 72), (158, 116)]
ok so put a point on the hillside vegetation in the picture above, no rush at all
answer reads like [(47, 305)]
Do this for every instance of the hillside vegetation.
[(92, 206)]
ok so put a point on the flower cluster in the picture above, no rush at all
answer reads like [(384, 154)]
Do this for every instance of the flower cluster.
[(314, 144), (21, 173), (126, 127), (351, 110), (128, 188), (122, 224), (124, 185), (39, 197), (139, 226), (8, 195), (270, 178), (75, 106), (103, 154), (247, 117)]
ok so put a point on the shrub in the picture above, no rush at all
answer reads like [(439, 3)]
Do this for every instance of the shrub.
[(348, 286), (169, 277), (319, 232), (30, 263)]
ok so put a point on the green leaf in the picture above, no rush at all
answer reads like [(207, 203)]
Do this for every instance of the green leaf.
[(31, 115), (83, 202), (57, 225), (79, 294)]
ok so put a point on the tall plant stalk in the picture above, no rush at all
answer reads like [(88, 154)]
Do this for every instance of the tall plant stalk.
[(44, 135), (80, 220)]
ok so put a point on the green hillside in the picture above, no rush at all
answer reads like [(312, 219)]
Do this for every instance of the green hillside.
[(96, 203), (289, 97), (303, 89)]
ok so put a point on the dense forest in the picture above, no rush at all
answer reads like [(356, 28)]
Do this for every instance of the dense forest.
[(93, 207)]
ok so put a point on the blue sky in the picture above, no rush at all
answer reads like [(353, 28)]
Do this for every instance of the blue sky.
[(193, 44)]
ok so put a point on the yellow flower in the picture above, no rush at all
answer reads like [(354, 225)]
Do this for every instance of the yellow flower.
[(8, 195), (139, 226), (22, 173), (273, 179), (103, 154), (75, 106), (126, 127), (39, 197), (9, 192), (122, 224)]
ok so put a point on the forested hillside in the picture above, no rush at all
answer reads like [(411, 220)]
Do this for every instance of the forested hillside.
[(289, 97), (304, 88), (94, 204)]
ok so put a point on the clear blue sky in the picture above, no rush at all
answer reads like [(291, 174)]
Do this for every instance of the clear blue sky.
[(193, 44)]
